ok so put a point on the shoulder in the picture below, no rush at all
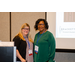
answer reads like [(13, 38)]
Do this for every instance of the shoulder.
[(30, 39), (50, 37), (36, 35), (49, 33), (16, 38)]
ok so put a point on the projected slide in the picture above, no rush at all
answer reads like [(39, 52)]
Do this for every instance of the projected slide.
[(65, 24)]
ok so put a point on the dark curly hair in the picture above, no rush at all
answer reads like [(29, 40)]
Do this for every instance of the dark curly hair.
[(37, 22)]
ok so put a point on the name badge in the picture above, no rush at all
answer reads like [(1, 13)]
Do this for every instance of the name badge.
[(36, 49), (30, 52)]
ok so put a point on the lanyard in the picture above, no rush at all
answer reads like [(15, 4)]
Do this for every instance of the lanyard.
[(27, 42), (39, 37)]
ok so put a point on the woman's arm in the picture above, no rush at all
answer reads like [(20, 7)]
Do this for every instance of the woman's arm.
[(16, 43), (52, 48), (19, 56)]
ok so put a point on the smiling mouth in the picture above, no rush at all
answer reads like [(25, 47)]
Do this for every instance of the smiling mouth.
[(40, 28), (25, 32)]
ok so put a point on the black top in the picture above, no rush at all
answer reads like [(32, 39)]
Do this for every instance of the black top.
[(21, 46)]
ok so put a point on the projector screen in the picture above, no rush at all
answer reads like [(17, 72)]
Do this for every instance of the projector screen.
[(62, 25)]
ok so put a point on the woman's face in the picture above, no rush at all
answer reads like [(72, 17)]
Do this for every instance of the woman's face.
[(25, 31), (41, 26)]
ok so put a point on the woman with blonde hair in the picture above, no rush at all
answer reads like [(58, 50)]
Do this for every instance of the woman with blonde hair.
[(24, 44)]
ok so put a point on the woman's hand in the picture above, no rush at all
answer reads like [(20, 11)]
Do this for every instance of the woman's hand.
[(23, 60), (19, 56)]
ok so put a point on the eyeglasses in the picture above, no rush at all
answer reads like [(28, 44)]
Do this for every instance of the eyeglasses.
[(26, 28), (41, 24)]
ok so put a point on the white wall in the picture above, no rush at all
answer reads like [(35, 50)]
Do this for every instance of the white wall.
[(19, 18), (4, 26)]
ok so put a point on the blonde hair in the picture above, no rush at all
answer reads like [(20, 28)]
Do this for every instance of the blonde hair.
[(21, 35)]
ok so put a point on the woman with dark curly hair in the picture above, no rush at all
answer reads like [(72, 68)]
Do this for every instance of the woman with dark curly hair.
[(44, 43)]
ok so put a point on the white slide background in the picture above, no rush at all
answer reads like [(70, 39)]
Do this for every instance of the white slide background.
[(64, 32)]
